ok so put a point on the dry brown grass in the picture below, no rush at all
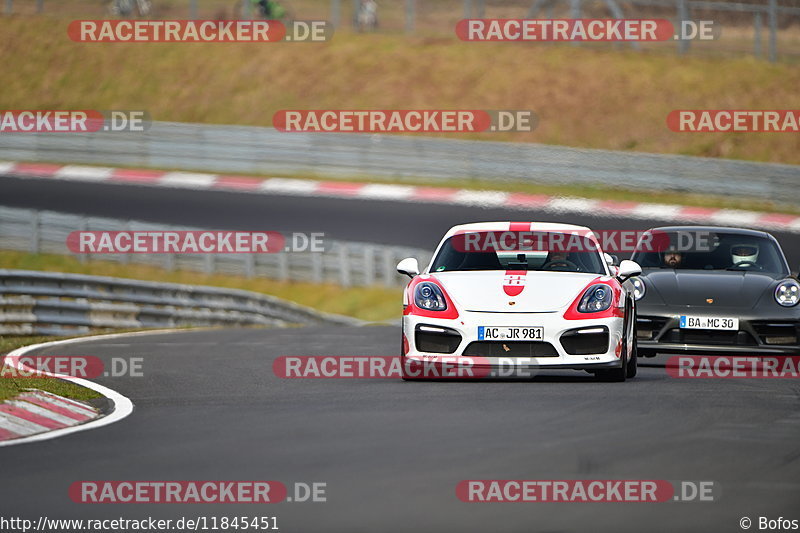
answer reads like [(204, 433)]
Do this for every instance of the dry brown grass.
[(585, 97)]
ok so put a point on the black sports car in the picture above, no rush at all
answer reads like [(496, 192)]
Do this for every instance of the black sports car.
[(715, 290)]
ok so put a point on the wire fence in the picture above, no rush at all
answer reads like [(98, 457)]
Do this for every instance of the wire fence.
[(343, 263), (765, 28)]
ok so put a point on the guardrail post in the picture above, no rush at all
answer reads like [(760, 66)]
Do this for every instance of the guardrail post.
[(410, 8), (9, 7), (369, 265), (193, 9), (575, 13), (773, 30), (250, 265), (757, 37), (388, 267), (316, 267), (683, 14), (247, 10), (336, 12), (283, 266), (83, 225), (208, 263), (39, 6), (344, 265), (123, 258), (35, 234), (467, 9), (169, 262)]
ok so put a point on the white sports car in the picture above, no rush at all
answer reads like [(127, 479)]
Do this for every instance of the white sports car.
[(521, 296)]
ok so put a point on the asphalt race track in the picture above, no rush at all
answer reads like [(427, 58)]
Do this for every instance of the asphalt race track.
[(391, 452), (398, 223)]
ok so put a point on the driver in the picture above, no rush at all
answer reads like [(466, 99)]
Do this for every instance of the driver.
[(673, 259), (556, 257), (744, 253)]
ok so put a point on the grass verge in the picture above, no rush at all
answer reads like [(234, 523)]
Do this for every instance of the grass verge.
[(12, 384), (584, 97)]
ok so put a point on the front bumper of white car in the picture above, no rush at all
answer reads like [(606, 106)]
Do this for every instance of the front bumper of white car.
[(575, 344)]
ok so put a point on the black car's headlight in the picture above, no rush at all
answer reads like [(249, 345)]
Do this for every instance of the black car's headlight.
[(787, 293), (638, 288), (429, 296), (597, 298)]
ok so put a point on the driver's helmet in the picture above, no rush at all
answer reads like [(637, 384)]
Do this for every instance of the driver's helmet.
[(744, 253)]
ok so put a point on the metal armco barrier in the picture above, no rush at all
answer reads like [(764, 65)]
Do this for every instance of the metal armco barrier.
[(49, 303), (342, 263), (213, 148)]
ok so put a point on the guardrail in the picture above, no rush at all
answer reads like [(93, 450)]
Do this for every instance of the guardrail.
[(49, 303), (245, 149), (342, 263)]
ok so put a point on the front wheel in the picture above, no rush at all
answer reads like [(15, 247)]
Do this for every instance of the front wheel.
[(614, 374), (633, 364)]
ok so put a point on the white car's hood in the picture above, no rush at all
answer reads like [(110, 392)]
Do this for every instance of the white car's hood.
[(531, 292)]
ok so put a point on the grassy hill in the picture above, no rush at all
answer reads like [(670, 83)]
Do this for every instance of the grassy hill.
[(584, 97)]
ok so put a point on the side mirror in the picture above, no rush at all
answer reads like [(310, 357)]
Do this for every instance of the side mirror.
[(627, 269), (408, 266)]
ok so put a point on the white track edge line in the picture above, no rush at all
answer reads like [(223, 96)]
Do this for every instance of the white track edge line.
[(123, 406)]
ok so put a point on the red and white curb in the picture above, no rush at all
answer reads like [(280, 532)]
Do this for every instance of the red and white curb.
[(35, 411), (36, 416), (408, 193)]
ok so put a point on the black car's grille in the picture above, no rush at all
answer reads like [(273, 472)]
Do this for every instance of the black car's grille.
[(585, 341), (436, 339), (777, 333), (510, 349), (707, 336), (648, 327)]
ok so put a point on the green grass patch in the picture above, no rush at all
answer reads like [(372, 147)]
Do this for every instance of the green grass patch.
[(12, 384)]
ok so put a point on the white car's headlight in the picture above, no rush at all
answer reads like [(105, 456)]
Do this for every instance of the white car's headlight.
[(597, 298), (638, 288), (787, 293), (429, 296)]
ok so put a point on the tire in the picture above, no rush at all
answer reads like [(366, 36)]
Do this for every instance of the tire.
[(403, 374), (627, 369), (615, 375), (633, 364)]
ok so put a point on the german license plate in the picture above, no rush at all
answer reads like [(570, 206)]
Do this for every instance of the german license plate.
[(512, 333), (709, 322)]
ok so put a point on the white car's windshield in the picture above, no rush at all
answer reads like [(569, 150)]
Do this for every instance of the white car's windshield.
[(540, 251)]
